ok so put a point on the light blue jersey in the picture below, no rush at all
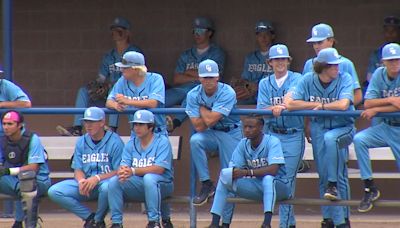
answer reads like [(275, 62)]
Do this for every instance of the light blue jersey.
[(255, 67), (100, 158), (374, 61), (346, 66), (310, 89), (107, 69), (222, 101), (151, 89), (11, 92), (269, 94)]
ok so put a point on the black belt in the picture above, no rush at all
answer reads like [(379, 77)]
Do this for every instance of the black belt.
[(394, 124), (226, 129), (284, 131)]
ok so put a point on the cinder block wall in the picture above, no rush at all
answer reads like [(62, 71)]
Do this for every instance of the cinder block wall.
[(58, 44)]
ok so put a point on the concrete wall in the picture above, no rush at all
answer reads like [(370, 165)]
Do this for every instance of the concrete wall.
[(58, 44)]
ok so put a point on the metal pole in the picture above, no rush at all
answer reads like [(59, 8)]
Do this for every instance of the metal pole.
[(7, 39)]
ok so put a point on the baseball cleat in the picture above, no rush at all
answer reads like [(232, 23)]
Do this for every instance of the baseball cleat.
[(331, 193), (371, 195), (207, 191)]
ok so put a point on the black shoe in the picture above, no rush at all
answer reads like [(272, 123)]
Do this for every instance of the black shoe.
[(265, 226), (153, 224), (213, 226), (207, 191), (116, 225), (344, 225), (331, 193), (327, 223), (101, 224), (17, 224), (370, 195), (166, 223), (89, 221), (347, 222), (225, 225)]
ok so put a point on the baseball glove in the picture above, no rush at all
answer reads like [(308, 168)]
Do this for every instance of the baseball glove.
[(243, 88), (98, 90)]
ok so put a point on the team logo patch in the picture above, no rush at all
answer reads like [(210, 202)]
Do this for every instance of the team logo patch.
[(315, 32), (392, 51), (208, 68), (139, 115), (11, 155), (279, 50)]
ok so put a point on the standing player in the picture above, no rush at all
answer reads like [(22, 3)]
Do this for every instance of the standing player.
[(138, 89), (145, 173), (255, 65), (186, 76), (391, 34), (95, 93), (382, 96), (256, 172), (209, 106), (96, 158), (327, 88), (24, 172), (288, 129)]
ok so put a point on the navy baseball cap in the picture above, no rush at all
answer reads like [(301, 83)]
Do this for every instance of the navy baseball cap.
[(120, 22), (264, 25), (208, 68), (143, 116), (391, 51), (391, 21), (131, 59), (329, 56), (94, 114), (320, 32), (203, 23), (278, 51)]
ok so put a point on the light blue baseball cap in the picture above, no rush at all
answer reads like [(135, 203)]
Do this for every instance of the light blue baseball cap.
[(131, 59), (203, 23), (278, 51), (120, 22), (208, 68), (391, 51), (93, 114), (264, 25), (329, 56), (143, 116), (320, 32)]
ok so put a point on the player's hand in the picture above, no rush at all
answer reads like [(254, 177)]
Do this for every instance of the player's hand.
[(121, 99), (318, 107), (83, 187), (238, 173), (91, 183), (369, 113), (124, 172), (120, 107), (277, 110)]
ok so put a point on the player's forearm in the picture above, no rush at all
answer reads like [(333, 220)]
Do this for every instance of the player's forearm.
[(29, 167), (340, 105), (266, 170), (387, 108), (357, 97), (15, 104), (301, 105), (184, 78), (210, 118), (107, 175), (111, 104), (198, 124), (149, 169), (79, 175), (143, 103)]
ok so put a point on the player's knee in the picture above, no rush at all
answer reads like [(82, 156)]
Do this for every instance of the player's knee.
[(197, 139), (150, 180), (54, 192), (358, 139), (113, 183), (103, 188), (268, 180)]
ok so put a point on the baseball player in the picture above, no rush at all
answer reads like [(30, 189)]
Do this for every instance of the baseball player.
[(108, 75), (145, 173), (24, 172), (327, 88), (138, 88), (255, 172), (96, 158), (382, 96), (186, 76), (391, 34), (255, 65), (209, 106), (288, 129)]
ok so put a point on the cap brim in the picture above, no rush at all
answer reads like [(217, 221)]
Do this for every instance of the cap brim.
[(209, 75), (391, 57), (139, 121), (280, 57), (91, 119), (316, 39), (119, 64), (335, 62)]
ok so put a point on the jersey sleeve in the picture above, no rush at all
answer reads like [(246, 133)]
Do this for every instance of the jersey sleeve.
[(307, 67), (346, 92), (192, 105), (373, 90), (164, 154), (116, 153), (36, 151), (126, 159), (238, 156), (352, 71), (77, 160), (298, 90), (13, 92), (275, 153), (225, 102), (181, 64), (116, 89), (158, 89), (246, 73), (264, 98)]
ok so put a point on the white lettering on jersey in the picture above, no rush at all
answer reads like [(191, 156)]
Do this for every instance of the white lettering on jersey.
[(257, 163), (143, 162), (258, 67), (276, 100), (391, 93), (192, 66), (324, 100), (138, 98), (96, 157)]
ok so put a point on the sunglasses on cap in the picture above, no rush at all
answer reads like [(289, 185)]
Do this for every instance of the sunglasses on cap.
[(199, 31)]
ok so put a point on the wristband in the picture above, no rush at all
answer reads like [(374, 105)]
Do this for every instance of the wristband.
[(133, 171), (252, 172), (14, 171), (98, 177)]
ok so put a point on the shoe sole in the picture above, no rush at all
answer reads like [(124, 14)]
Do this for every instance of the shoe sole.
[(205, 201), (372, 205), (330, 197), (62, 131)]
